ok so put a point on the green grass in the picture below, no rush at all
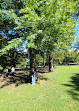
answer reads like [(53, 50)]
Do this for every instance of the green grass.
[(57, 91), (1, 67)]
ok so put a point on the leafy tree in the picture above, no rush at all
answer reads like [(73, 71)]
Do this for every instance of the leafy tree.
[(71, 57), (61, 57), (3, 41), (45, 24), (40, 60), (12, 58), (66, 57), (57, 24)]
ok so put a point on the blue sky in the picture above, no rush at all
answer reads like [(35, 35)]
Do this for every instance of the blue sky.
[(77, 33), (77, 28)]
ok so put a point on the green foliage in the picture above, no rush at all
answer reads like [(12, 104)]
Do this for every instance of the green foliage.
[(3, 42), (11, 44), (57, 24), (39, 60), (12, 58), (21, 62), (47, 24), (1, 68), (54, 18), (61, 57), (66, 57), (72, 56)]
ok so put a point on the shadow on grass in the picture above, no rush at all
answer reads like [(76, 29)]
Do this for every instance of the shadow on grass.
[(42, 77), (74, 84), (20, 78), (43, 70)]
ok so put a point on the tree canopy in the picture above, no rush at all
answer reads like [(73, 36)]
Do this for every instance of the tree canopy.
[(46, 24)]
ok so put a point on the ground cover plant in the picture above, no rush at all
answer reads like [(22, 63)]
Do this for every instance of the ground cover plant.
[(56, 91)]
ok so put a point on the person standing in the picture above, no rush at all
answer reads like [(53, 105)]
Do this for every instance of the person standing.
[(13, 71), (33, 75), (6, 72)]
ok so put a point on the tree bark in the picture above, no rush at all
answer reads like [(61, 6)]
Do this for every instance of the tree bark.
[(32, 60), (50, 63), (43, 61), (33, 64)]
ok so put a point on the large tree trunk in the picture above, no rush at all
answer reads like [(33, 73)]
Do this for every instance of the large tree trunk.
[(32, 60), (50, 64), (43, 61), (33, 63)]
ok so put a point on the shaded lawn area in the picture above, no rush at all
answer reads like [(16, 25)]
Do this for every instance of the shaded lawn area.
[(57, 91), (21, 77)]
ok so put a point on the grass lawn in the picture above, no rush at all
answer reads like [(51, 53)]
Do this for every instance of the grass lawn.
[(57, 91)]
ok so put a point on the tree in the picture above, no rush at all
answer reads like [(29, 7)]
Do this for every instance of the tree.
[(71, 57), (45, 24), (57, 24)]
